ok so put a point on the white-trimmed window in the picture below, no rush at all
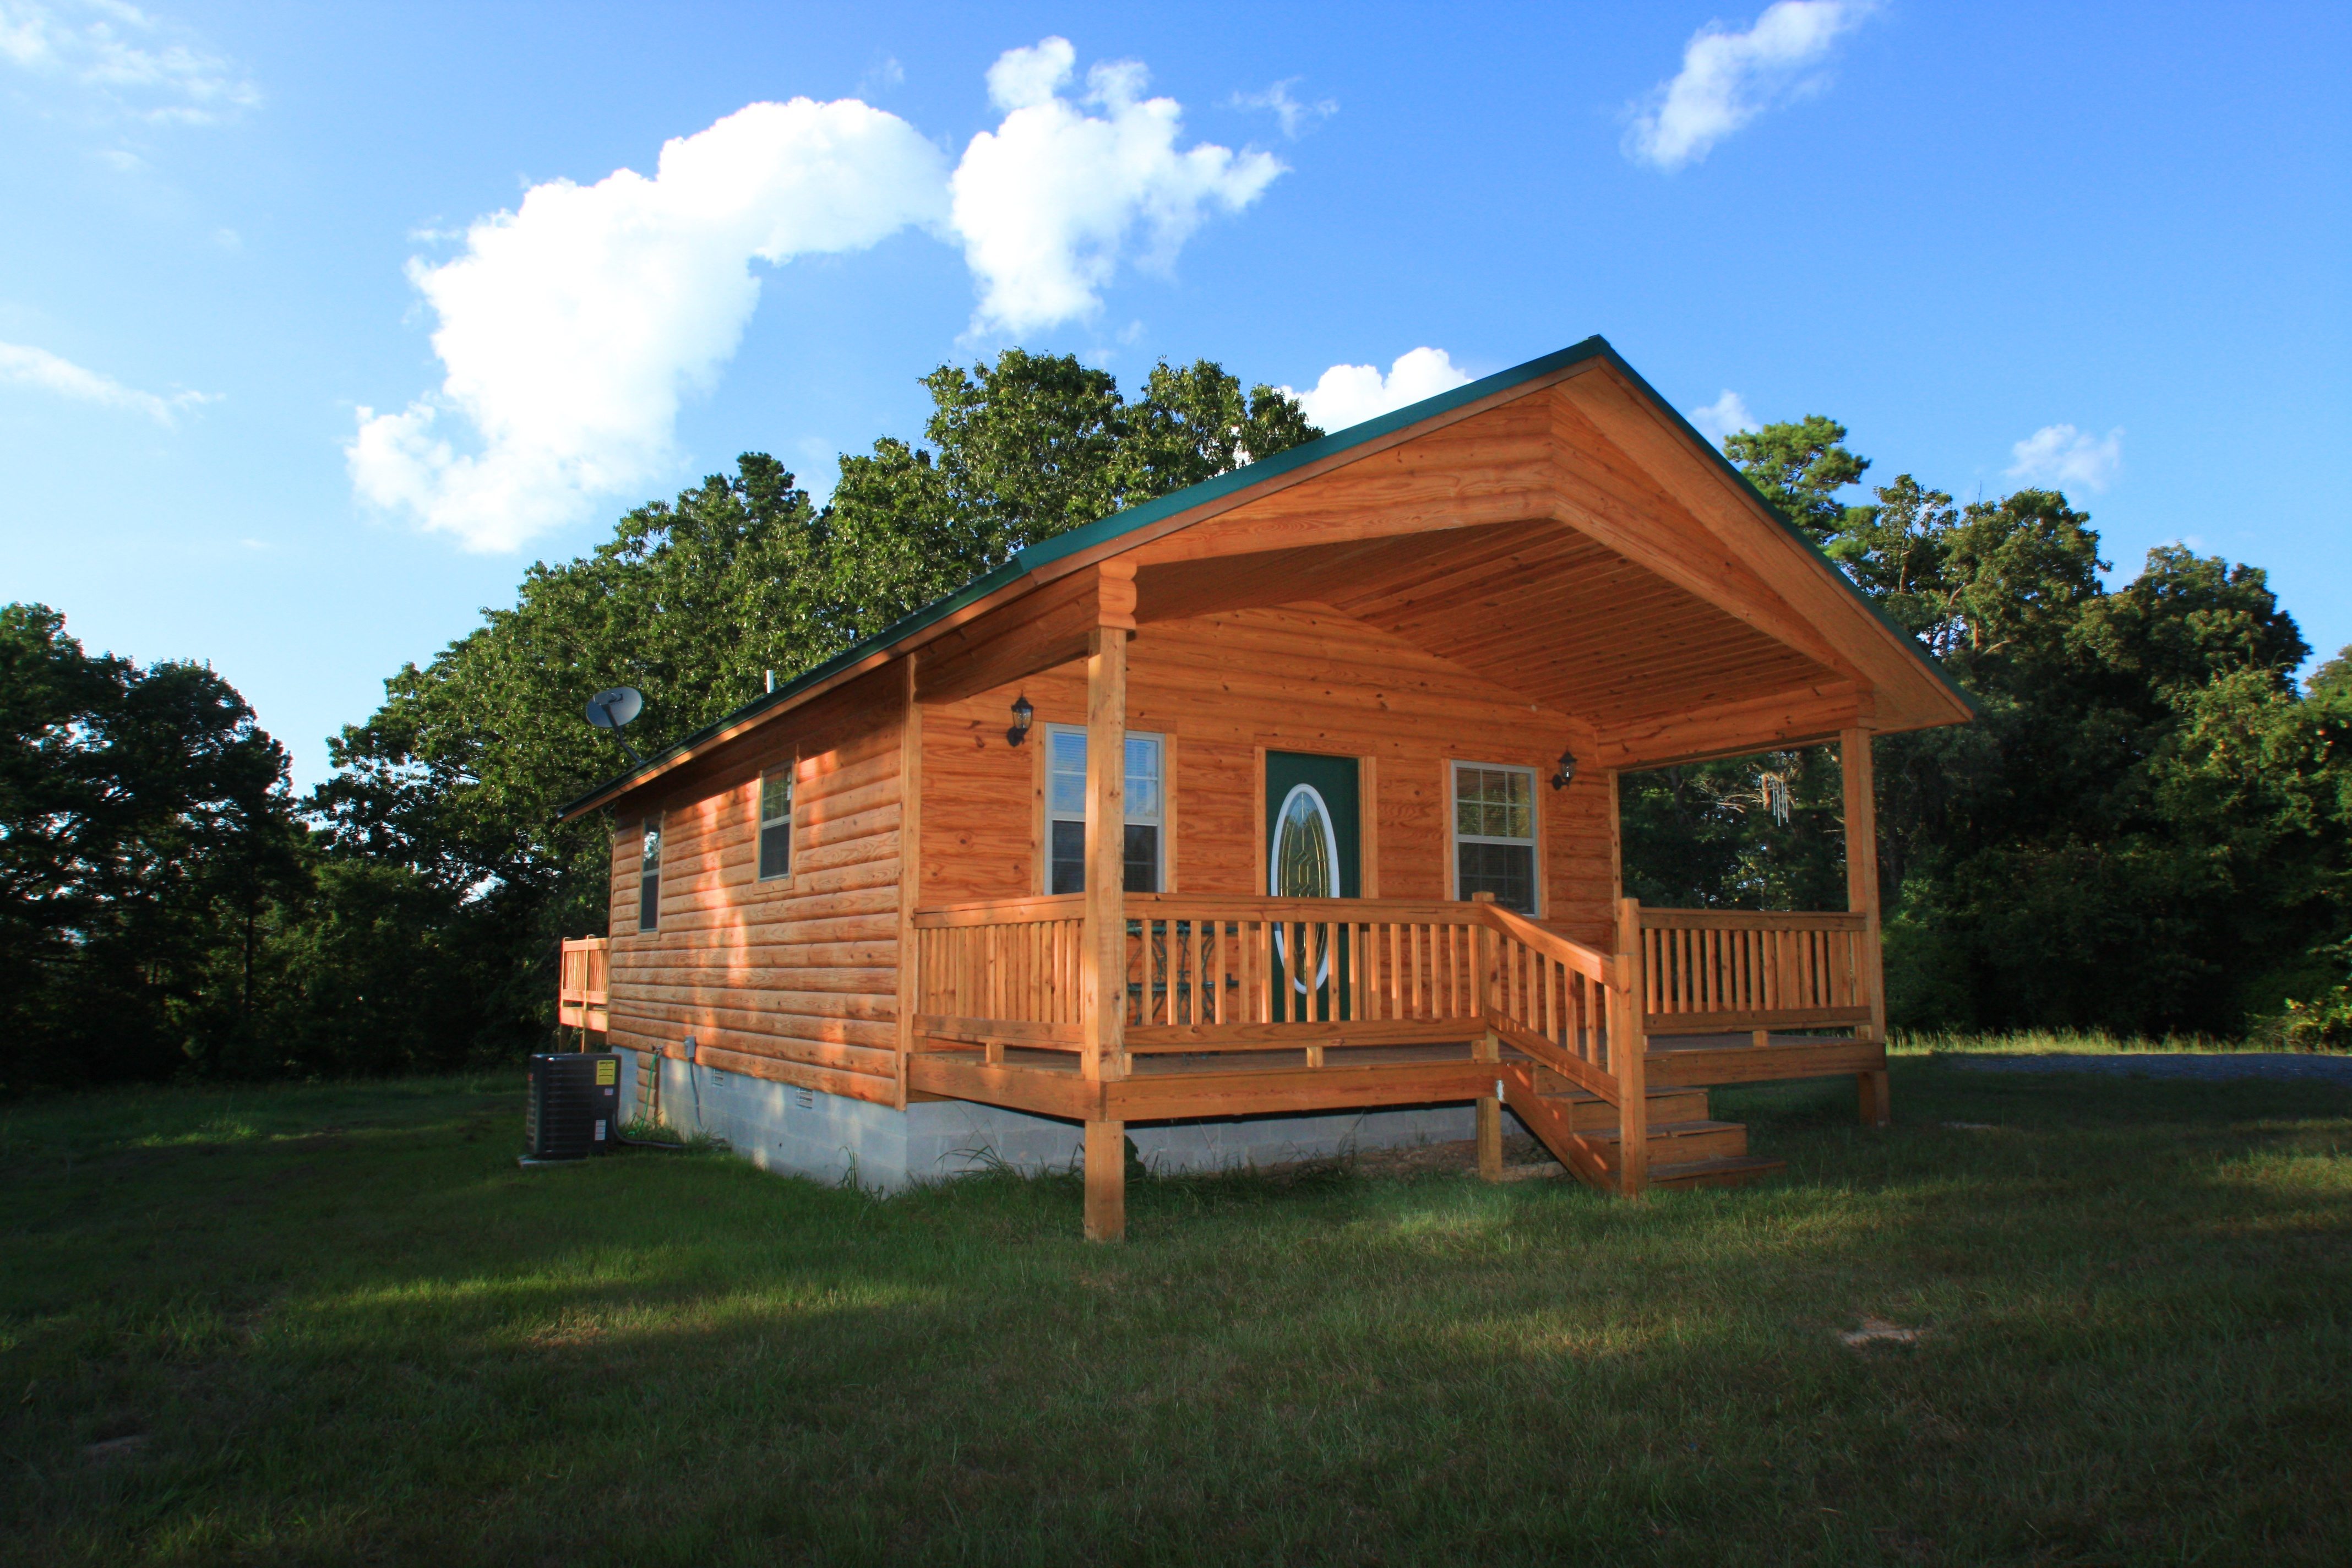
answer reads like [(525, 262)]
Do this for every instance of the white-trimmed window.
[(649, 876), (1494, 833), (1065, 810), (776, 822)]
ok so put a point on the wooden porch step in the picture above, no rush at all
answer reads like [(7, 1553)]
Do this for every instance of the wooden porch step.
[(1677, 1142), (1687, 1148), (1587, 1112), (1736, 1171)]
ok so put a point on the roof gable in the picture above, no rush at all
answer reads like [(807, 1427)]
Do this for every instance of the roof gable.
[(1617, 440)]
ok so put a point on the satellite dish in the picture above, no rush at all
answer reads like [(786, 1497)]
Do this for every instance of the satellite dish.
[(611, 709)]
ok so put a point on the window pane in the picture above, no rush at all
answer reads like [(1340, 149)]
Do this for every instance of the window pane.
[(776, 795), (1142, 780), (653, 846), (1505, 870), (1065, 789), (1142, 859), (1068, 871), (776, 849), (1494, 802), (649, 900)]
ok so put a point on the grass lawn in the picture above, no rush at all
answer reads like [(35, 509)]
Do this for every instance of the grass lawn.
[(338, 1324)]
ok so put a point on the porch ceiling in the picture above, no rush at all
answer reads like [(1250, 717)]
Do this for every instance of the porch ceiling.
[(1536, 607)]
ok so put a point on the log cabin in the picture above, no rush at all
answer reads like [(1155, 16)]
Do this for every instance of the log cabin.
[(1273, 816)]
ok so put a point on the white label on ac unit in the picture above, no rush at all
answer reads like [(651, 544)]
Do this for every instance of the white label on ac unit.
[(599, 1131)]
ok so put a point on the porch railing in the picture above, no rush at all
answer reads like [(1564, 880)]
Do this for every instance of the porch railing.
[(1210, 974), (1554, 999), (584, 992), (1204, 974), (1001, 972), (1717, 971), (1207, 973)]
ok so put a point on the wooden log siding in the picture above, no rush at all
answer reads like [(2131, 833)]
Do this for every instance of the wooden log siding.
[(792, 979), (1711, 970), (1225, 686)]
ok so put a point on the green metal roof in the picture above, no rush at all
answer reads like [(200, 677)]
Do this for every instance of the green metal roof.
[(1134, 517)]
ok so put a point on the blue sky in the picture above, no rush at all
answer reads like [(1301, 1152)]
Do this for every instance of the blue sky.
[(2106, 247)]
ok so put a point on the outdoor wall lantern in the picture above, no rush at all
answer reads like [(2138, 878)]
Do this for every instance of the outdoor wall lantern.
[(1022, 714), (1567, 770)]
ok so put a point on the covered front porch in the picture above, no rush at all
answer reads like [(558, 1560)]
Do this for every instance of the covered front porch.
[(1176, 1006)]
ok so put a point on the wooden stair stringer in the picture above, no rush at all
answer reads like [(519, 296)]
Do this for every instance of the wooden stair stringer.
[(1548, 1120)]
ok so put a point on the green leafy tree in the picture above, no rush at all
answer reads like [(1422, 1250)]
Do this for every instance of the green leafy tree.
[(1800, 467), (146, 836), (1021, 450), (2143, 831)]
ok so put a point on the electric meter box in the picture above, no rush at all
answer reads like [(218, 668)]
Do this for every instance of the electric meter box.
[(574, 1109)]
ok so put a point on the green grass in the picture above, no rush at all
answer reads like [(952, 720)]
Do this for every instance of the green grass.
[(350, 1328)]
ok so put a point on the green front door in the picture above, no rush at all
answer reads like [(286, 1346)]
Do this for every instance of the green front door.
[(1314, 851)]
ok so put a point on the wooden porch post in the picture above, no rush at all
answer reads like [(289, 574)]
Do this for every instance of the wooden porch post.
[(1862, 894), (1628, 1042), (1489, 1048), (1103, 975)]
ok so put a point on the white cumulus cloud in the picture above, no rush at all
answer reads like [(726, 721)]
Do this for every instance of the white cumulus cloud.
[(1348, 395), (2060, 455), (1724, 416), (22, 365), (1729, 79), (570, 329), (1048, 202), (144, 66)]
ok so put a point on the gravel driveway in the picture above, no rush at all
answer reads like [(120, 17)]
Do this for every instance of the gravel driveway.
[(2204, 1067)]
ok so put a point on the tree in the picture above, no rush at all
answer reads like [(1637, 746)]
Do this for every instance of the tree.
[(146, 834), (1024, 449), (2146, 829), (1800, 467)]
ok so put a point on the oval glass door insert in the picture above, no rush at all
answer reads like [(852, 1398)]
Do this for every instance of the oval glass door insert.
[(1304, 863)]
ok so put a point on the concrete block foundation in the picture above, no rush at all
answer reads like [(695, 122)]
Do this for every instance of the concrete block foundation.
[(830, 1138)]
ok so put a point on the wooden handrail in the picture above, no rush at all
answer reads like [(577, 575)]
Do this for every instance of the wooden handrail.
[(1242, 907), (1752, 919), (1591, 963), (1000, 912), (1550, 996)]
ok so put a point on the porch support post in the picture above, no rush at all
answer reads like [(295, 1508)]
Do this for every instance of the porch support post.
[(1861, 896), (1106, 1181), (1103, 964), (1490, 1125), (1628, 1043), (1489, 1047)]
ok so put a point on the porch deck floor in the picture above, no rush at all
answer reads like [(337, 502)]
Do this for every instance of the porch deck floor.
[(1178, 1064)]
